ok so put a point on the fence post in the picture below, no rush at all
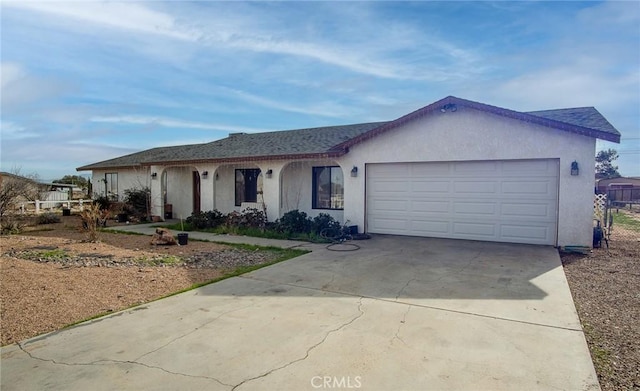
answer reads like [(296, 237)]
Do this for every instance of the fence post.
[(80, 204), (37, 206)]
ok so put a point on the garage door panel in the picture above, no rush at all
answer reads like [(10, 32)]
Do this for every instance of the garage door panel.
[(394, 170), (531, 233), (391, 205), (511, 201), (391, 186), (431, 186), (476, 187), (542, 211), (474, 168), (430, 170), (421, 207), (529, 168), (529, 188), (485, 230), (429, 228), (396, 225), (475, 209)]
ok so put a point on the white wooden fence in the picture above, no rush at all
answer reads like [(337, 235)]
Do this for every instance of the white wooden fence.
[(41, 206)]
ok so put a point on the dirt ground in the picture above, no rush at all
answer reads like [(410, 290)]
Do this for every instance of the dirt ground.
[(51, 278), (606, 289)]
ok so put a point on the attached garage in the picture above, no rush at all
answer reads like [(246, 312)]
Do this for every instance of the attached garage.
[(504, 200)]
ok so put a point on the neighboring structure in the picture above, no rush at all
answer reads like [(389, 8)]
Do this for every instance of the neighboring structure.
[(16, 189), (453, 169), (620, 189)]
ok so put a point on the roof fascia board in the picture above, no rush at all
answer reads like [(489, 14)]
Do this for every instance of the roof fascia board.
[(436, 106), (325, 155)]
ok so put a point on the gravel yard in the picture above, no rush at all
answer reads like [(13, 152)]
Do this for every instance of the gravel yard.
[(606, 290), (52, 278)]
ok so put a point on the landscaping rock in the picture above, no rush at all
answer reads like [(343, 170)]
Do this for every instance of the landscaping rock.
[(163, 237)]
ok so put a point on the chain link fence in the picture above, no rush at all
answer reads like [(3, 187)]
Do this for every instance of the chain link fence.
[(618, 220)]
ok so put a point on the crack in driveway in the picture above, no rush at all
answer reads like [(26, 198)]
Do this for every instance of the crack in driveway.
[(342, 326), (136, 360), (110, 361)]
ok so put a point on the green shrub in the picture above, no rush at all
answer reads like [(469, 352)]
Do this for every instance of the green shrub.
[(324, 221), (249, 218), (103, 202), (204, 220), (47, 218), (294, 222), (138, 202)]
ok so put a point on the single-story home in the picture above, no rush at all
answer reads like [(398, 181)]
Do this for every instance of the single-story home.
[(453, 169)]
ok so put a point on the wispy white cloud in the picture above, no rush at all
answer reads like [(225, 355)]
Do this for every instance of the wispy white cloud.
[(12, 131), (19, 88), (325, 109), (173, 123), (119, 15)]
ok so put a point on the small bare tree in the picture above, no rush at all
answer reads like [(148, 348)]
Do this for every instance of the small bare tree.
[(15, 188), (93, 218)]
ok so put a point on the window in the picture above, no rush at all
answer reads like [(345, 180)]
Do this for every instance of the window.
[(247, 185), (111, 185), (328, 188)]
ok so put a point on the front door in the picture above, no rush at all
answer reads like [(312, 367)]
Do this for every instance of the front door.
[(196, 192)]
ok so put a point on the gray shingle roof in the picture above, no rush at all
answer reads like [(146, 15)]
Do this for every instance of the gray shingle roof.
[(586, 117), (335, 140), (299, 142)]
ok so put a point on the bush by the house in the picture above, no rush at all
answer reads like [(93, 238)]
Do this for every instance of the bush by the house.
[(324, 221), (138, 202), (249, 218), (48, 218), (253, 222), (103, 202), (204, 220), (294, 221)]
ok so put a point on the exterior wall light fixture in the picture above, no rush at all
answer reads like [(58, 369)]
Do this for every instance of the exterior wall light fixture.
[(269, 173), (354, 171), (154, 175), (450, 107), (205, 174), (575, 170)]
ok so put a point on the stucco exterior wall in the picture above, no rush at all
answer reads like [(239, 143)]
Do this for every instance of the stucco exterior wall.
[(127, 179), (467, 135), (180, 191), (297, 188)]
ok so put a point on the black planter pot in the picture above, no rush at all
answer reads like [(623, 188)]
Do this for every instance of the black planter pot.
[(66, 212), (183, 239), (123, 217)]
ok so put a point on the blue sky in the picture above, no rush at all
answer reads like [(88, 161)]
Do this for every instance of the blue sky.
[(88, 81)]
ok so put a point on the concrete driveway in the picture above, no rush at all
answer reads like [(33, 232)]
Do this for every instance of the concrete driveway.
[(399, 314)]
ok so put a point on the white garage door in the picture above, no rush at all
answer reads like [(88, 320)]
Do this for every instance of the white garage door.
[(504, 201)]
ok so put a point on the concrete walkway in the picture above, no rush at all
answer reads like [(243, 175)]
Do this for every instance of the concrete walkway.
[(399, 314)]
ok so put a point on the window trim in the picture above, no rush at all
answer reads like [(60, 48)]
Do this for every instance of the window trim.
[(115, 196), (244, 171), (314, 191)]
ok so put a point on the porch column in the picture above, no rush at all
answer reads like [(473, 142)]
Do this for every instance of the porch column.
[(157, 207), (271, 189)]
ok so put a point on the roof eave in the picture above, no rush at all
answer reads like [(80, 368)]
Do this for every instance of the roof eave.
[(92, 167), (302, 156), (436, 106)]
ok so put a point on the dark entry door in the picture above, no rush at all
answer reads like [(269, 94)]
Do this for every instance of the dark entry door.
[(196, 192)]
